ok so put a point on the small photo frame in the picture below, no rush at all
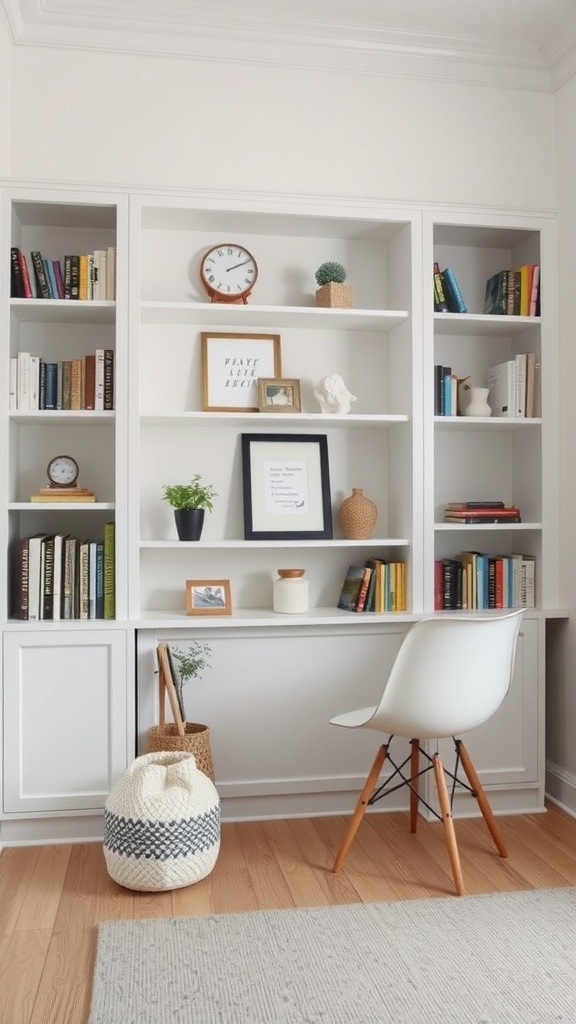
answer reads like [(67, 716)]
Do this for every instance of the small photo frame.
[(279, 394), (208, 597), (231, 366)]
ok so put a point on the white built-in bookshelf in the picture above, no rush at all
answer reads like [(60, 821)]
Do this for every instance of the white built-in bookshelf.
[(409, 461)]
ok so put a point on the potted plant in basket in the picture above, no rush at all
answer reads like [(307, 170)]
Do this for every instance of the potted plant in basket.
[(190, 502), (332, 291), (176, 667)]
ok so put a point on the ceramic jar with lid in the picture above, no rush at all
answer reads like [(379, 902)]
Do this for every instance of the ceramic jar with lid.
[(290, 592)]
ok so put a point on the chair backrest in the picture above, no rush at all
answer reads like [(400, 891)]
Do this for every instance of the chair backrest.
[(450, 675)]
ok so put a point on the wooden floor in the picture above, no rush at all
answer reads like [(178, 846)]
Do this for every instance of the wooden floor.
[(52, 897)]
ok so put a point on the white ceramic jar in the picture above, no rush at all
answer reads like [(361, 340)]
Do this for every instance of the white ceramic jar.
[(290, 592)]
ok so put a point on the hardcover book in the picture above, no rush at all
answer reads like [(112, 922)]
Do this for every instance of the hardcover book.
[(351, 588)]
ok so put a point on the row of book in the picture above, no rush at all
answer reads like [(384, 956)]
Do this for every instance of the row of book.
[(57, 576), (448, 297), (514, 292), (84, 276), (512, 388), (481, 512), (477, 581), (86, 382), (376, 586)]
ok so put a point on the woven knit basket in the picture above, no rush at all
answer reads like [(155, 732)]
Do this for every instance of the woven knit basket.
[(161, 824), (196, 741)]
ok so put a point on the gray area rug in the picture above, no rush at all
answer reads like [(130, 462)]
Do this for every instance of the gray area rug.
[(507, 958)]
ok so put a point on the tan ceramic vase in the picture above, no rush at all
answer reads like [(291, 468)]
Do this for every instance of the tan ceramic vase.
[(358, 515)]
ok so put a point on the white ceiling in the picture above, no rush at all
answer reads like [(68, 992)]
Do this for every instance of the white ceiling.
[(530, 43)]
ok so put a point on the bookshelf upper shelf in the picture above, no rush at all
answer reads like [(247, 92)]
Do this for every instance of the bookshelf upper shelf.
[(67, 311), (476, 324), (250, 316)]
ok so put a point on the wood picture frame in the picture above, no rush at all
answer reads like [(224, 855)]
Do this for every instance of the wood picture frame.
[(279, 394), (208, 597), (231, 366), (286, 487)]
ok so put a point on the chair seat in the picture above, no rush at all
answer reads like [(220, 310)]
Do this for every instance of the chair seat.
[(354, 719)]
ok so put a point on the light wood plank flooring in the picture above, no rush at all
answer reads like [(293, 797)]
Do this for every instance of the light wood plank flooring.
[(52, 897)]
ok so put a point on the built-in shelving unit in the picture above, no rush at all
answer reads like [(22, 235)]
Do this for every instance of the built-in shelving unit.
[(410, 461)]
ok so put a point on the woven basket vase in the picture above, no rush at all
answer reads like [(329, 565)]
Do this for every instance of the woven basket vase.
[(358, 515), (196, 741)]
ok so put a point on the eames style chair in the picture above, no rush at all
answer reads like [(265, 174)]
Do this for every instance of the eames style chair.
[(450, 675)]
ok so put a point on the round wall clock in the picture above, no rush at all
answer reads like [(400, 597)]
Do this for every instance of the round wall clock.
[(228, 272), (62, 471)]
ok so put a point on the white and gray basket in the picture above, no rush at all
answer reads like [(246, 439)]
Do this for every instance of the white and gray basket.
[(162, 823)]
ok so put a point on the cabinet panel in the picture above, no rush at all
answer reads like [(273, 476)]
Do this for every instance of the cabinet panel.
[(65, 718)]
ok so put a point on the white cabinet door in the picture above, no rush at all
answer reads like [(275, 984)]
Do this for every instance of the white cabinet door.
[(65, 718)]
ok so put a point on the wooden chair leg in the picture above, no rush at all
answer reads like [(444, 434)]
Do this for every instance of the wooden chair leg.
[(487, 812), (414, 769), (360, 810), (449, 833)]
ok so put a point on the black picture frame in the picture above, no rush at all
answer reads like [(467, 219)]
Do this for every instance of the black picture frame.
[(286, 485)]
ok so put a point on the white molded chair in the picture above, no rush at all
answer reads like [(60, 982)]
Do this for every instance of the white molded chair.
[(450, 675)]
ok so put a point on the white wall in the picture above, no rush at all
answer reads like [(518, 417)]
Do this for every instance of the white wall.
[(5, 69), (561, 710), (84, 116)]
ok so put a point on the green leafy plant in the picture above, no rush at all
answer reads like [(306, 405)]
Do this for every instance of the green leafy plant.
[(186, 665), (330, 272), (192, 495)]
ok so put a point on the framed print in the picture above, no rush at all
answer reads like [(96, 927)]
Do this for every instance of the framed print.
[(231, 366), (208, 597), (279, 394), (286, 484)]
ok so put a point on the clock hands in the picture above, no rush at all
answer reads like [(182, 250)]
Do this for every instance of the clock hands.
[(236, 265)]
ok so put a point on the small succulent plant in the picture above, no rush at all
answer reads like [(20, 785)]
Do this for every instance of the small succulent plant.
[(330, 271)]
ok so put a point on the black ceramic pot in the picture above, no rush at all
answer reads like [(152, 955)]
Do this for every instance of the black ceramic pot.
[(189, 523)]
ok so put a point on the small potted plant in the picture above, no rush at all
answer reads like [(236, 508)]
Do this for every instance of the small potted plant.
[(190, 503), (176, 668), (332, 291)]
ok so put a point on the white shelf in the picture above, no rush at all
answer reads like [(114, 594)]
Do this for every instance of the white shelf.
[(56, 311), (486, 422), (245, 545), (265, 617), (481, 324), (200, 419), (270, 317), (64, 417), (42, 506)]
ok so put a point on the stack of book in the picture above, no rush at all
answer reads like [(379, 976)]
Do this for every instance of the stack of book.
[(376, 586), (513, 386), (89, 276), (485, 512), (514, 292), (448, 297), (57, 576)]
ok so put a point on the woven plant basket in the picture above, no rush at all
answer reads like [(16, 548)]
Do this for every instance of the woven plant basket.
[(334, 294), (188, 737), (196, 741)]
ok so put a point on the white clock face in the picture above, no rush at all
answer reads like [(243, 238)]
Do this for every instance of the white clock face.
[(229, 271), (62, 471)]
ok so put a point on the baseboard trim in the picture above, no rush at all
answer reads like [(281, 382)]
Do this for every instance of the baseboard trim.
[(561, 788)]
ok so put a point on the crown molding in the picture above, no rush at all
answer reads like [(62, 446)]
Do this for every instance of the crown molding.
[(295, 40)]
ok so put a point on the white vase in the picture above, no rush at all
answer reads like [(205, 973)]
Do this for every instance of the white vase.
[(290, 592), (478, 404)]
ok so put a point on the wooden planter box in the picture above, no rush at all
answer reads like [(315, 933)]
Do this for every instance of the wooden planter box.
[(333, 294)]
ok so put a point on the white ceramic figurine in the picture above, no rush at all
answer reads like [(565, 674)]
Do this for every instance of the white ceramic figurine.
[(333, 395)]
